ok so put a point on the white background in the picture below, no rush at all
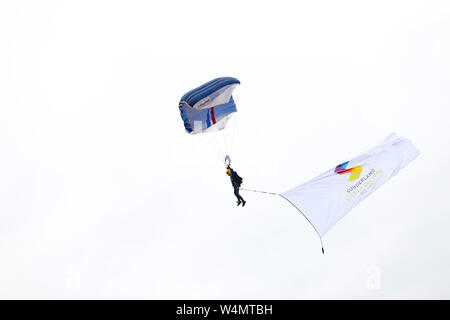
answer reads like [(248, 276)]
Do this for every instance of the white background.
[(103, 194)]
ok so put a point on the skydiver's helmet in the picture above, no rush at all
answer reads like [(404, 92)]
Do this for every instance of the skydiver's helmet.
[(228, 172)]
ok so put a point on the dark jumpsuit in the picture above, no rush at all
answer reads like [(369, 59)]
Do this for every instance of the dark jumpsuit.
[(236, 181)]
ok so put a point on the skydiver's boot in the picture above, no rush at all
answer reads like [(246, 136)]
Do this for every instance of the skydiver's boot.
[(238, 202), (243, 202)]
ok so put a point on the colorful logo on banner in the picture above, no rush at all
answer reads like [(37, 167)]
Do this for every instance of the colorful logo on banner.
[(355, 172)]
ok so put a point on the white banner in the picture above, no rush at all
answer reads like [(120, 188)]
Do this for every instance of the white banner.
[(327, 198)]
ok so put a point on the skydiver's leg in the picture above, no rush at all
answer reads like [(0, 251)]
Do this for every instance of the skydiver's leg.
[(242, 199), (238, 196), (236, 193)]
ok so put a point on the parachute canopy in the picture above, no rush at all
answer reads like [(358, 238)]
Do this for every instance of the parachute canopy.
[(208, 107)]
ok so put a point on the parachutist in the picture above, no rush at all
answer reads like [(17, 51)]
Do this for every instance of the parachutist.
[(236, 182), (206, 110)]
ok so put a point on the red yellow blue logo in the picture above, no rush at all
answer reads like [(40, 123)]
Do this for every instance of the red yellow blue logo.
[(355, 172)]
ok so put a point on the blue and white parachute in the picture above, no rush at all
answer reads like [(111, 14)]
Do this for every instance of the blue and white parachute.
[(208, 107)]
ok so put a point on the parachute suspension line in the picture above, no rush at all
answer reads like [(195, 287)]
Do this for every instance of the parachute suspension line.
[(231, 135), (224, 138), (234, 130), (223, 141), (213, 140), (218, 140), (321, 243), (213, 146)]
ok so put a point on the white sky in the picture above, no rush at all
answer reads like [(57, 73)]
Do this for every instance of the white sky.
[(103, 194)]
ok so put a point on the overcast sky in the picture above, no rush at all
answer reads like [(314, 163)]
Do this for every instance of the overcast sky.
[(104, 195)]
